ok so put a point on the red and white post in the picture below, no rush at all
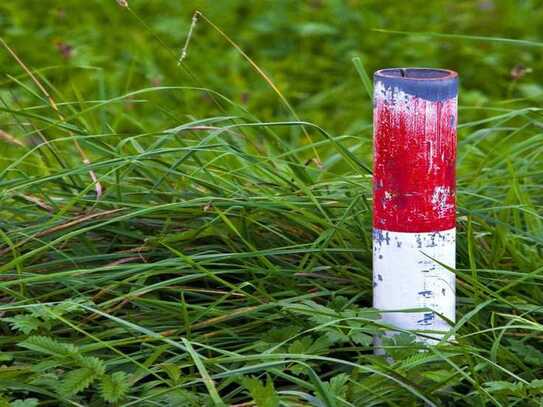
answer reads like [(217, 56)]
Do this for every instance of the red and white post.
[(415, 116)]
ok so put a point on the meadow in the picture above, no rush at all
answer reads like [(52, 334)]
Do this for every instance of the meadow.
[(185, 213)]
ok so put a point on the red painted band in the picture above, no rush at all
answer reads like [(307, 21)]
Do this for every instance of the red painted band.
[(414, 162)]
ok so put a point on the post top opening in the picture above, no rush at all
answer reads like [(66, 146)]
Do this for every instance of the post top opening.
[(426, 83), (416, 73)]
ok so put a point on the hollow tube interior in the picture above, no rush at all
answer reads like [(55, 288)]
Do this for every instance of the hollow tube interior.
[(416, 73)]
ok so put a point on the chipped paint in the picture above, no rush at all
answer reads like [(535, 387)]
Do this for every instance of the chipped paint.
[(412, 277), (424, 83), (414, 160)]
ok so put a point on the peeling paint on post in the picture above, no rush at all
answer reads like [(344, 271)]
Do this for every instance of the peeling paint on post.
[(414, 117)]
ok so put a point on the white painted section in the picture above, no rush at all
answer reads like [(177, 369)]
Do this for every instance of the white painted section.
[(407, 276)]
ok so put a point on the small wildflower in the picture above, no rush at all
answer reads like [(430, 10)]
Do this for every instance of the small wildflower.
[(519, 71), (66, 50)]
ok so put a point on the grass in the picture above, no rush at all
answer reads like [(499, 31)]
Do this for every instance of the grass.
[(227, 258)]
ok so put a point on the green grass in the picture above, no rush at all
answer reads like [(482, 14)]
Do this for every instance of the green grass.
[(227, 260)]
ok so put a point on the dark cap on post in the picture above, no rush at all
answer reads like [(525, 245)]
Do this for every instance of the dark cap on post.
[(425, 83)]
